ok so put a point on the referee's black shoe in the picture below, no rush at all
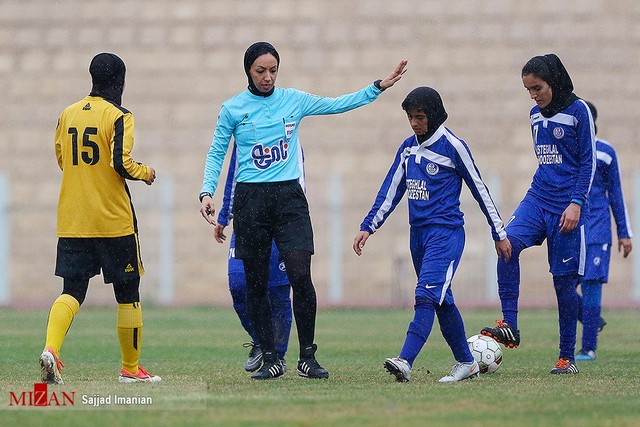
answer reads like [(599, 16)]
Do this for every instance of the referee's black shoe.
[(271, 367), (308, 366)]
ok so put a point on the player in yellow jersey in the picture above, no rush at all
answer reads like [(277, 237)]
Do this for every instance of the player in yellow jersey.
[(97, 228)]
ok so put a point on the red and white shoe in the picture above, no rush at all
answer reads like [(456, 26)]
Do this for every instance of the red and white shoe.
[(141, 376), (461, 371), (51, 367)]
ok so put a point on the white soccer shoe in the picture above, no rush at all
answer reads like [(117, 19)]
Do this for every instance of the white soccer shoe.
[(398, 367), (461, 371)]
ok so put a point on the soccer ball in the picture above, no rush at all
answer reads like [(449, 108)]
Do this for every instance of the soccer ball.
[(487, 353)]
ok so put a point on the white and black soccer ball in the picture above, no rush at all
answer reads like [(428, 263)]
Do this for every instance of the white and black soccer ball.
[(487, 353)]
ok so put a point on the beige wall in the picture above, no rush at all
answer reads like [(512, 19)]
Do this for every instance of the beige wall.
[(184, 58)]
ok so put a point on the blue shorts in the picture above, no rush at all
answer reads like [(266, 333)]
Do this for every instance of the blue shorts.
[(436, 253), (531, 224), (597, 266), (277, 271)]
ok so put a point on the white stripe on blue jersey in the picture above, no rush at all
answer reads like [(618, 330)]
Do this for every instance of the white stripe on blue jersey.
[(606, 197), (431, 174)]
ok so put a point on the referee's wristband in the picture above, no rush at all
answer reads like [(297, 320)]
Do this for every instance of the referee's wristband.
[(203, 194), (577, 202), (377, 84)]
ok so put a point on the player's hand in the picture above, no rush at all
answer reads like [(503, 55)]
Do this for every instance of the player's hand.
[(152, 177), (359, 241), (625, 245), (218, 233), (570, 217), (395, 75), (503, 249), (208, 210)]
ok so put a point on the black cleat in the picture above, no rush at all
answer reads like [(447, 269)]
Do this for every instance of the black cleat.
[(503, 333), (271, 367), (254, 360), (308, 366)]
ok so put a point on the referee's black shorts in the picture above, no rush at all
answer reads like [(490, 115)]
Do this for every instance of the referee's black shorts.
[(271, 210), (83, 258)]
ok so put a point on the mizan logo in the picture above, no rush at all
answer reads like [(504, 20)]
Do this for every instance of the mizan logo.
[(40, 396)]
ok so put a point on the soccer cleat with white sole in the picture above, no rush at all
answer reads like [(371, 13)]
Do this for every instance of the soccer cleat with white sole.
[(398, 367), (141, 376), (51, 367), (461, 371)]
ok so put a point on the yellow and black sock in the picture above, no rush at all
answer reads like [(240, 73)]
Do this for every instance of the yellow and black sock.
[(63, 310), (130, 334)]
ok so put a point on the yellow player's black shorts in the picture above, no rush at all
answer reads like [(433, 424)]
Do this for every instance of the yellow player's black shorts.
[(268, 211), (83, 258)]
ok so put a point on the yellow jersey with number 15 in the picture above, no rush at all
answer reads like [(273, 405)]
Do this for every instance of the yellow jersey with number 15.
[(94, 140)]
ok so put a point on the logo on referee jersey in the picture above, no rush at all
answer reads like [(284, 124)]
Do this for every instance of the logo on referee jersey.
[(263, 157), (129, 269), (558, 132), (432, 168)]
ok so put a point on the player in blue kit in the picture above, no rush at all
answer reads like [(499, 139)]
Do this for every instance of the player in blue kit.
[(279, 288), (554, 207), (430, 167), (605, 197)]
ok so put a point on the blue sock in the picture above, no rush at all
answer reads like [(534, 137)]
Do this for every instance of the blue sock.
[(567, 297), (592, 305), (452, 328), (280, 298), (579, 305), (509, 283), (238, 290), (419, 329)]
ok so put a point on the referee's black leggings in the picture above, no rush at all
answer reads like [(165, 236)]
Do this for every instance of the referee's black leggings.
[(298, 264)]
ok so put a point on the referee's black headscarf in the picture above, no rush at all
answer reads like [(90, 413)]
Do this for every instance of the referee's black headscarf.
[(252, 53)]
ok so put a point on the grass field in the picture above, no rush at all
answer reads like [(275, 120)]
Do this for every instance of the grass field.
[(198, 353)]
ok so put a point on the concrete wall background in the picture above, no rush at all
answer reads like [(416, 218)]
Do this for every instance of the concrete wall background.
[(184, 58)]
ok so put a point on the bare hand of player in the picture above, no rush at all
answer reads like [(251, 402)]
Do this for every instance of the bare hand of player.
[(152, 177), (359, 241), (208, 210), (503, 249), (218, 233), (625, 245), (570, 217), (394, 76)]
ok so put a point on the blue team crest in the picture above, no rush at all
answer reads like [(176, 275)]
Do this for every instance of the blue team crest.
[(432, 168), (596, 261), (281, 266), (558, 132)]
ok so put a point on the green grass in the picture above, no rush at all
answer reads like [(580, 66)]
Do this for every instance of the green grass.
[(198, 353)]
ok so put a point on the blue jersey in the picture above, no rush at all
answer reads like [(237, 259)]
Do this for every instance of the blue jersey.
[(265, 130), (565, 147), (606, 193), (431, 175)]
